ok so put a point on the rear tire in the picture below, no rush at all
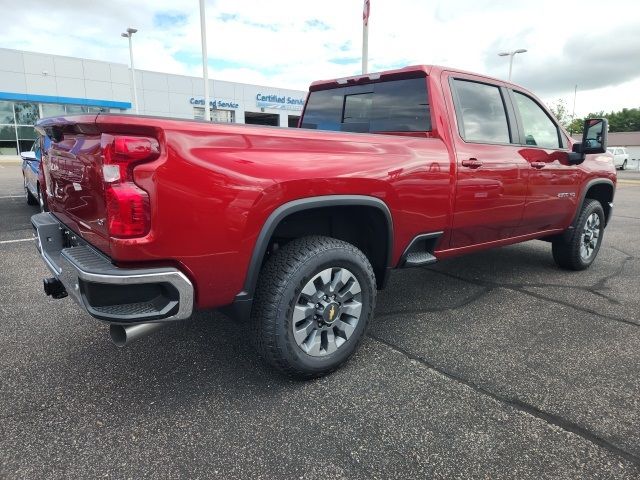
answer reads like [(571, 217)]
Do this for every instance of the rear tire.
[(314, 300), (580, 248)]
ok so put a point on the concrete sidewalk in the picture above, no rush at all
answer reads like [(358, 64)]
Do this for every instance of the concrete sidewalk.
[(10, 159)]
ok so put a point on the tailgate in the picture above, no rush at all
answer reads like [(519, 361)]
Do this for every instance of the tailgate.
[(72, 167), (89, 177)]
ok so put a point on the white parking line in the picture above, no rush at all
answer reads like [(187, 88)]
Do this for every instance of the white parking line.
[(32, 239), (11, 196)]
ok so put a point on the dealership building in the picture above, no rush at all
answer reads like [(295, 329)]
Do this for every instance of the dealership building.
[(36, 85)]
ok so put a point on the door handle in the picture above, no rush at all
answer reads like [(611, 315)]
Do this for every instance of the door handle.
[(538, 165), (472, 163)]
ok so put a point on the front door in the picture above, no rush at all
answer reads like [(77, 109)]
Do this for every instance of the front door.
[(553, 182), (491, 182)]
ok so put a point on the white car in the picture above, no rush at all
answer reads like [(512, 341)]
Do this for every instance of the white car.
[(620, 157)]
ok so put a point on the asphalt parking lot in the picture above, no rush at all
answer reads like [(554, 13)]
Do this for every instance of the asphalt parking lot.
[(493, 365)]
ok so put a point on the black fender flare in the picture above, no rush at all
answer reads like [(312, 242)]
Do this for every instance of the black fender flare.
[(241, 306), (583, 195)]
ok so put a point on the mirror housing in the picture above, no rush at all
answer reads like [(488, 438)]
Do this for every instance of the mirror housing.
[(29, 156), (594, 140)]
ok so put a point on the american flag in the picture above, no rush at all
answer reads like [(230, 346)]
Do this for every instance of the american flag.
[(365, 12)]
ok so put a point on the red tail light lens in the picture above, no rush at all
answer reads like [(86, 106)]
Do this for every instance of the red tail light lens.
[(127, 210), (128, 207)]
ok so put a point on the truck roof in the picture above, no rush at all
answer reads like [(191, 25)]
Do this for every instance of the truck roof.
[(411, 71)]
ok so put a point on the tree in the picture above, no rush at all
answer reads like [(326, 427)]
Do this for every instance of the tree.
[(626, 120), (576, 126), (560, 111)]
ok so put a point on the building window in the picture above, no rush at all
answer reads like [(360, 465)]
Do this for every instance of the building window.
[(75, 109), (26, 113), (219, 116), (26, 136), (52, 110), (18, 118), (6, 113), (7, 139)]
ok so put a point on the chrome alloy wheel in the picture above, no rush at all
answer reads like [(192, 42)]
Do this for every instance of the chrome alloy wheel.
[(590, 236), (327, 311)]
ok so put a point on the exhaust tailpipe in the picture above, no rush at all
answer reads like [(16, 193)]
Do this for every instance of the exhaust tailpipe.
[(125, 334)]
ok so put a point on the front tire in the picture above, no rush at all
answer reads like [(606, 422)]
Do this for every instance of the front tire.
[(579, 250), (314, 300)]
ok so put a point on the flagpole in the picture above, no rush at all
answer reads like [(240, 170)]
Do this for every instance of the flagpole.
[(365, 47), (365, 37)]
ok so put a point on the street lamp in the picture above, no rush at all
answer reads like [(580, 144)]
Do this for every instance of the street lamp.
[(129, 34), (511, 55)]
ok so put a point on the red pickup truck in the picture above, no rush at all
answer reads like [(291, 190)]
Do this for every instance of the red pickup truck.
[(296, 229)]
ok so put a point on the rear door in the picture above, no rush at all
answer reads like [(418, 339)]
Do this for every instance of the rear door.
[(491, 175), (553, 182)]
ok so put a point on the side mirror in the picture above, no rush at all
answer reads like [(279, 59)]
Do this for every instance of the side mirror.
[(28, 156), (594, 136), (594, 140)]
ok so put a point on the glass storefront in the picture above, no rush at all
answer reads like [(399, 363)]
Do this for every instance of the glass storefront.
[(18, 118)]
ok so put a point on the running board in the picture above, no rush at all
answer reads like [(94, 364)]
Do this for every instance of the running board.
[(420, 251), (418, 259)]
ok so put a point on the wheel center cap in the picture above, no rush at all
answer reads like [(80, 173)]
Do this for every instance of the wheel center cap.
[(330, 313)]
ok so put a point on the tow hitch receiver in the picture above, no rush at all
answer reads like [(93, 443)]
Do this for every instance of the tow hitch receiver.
[(54, 288)]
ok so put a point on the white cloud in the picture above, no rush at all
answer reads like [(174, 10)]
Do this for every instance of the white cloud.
[(289, 43)]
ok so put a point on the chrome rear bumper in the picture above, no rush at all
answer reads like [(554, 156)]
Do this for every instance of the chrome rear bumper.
[(107, 292)]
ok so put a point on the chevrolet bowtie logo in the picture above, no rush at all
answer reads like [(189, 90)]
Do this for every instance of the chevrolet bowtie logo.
[(332, 312)]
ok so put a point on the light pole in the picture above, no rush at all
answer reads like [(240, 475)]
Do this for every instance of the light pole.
[(129, 34), (205, 66), (511, 55)]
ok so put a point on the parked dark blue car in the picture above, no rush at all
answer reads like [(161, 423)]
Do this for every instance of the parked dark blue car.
[(31, 173)]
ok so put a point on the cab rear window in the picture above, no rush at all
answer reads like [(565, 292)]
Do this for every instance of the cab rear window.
[(391, 106)]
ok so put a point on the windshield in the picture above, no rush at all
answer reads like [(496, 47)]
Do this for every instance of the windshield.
[(391, 106)]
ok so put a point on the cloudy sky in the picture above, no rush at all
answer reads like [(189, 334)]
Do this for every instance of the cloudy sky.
[(289, 43)]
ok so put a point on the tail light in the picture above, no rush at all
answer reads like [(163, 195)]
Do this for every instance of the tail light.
[(128, 208)]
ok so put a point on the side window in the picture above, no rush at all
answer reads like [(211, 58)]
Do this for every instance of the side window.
[(481, 112), (539, 129)]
